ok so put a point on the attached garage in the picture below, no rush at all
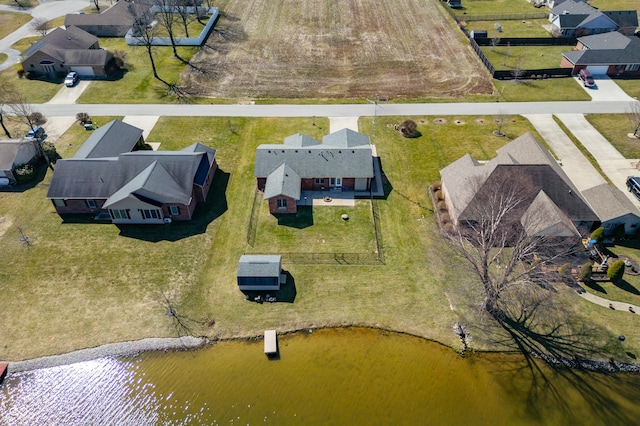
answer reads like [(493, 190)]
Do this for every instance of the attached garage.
[(83, 71), (598, 69)]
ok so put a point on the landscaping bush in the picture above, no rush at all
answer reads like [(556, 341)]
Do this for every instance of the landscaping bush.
[(409, 129), (616, 271), (50, 151), (24, 173), (442, 206), (21, 72), (439, 195), (83, 117), (586, 272), (565, 270), (598, 235), (437, 185), (37, 118)]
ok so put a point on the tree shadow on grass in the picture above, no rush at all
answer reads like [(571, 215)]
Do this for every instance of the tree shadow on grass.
[(302, 219), (205, 213), (626, 286), (595, 286)]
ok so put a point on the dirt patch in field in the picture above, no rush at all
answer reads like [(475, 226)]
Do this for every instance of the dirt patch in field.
[(335, 49)]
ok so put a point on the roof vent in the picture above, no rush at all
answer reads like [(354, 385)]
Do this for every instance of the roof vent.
[(565, 12)]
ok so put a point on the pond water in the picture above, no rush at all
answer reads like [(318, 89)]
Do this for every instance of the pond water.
[(334, 376)]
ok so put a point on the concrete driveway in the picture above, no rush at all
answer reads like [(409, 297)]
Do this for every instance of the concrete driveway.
[(69, 95), (613, 164), (605, 89), (575, 165)]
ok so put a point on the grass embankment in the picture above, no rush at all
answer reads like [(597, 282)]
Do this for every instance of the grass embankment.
[(84, 284), (547, 90), (511, 28), (615, 128), (531, 57)]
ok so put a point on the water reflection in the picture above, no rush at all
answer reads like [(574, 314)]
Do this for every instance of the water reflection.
[(330, 376)]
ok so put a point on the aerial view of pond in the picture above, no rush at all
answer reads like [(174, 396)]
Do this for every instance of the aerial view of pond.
[(333, 376)]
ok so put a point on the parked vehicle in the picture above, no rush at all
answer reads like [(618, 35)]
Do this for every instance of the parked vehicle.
[(587, 79), (71, 79), (36, 133), (633, 185)]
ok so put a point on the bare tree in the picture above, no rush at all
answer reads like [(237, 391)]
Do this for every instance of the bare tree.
[(7, 95), (41, 25), (634, 117), (518, 69), (182, 10), (146, 33), (500, 119), (495, 41), (96, 3), (167, 17), (27, 114), (502, 246)]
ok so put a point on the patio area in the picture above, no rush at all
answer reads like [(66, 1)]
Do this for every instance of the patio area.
[(326, 198)]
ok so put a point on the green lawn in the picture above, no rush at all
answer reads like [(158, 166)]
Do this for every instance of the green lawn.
[(9, 22), (488, 7), (615, 4), (512, 28), (615, 127), (138, 84), (631, 87), (194, 28), (551, 89), (533, 57)]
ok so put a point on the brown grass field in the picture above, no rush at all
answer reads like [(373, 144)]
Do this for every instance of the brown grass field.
[(335, 49)]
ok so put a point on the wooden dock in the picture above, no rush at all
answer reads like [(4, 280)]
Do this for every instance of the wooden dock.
[(270, 343)]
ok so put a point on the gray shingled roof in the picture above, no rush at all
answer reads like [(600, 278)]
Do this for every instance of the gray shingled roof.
[(300, 140), (283, 181), (523, 158), (254, 265), (623, 18), (170, 178), (573, 8), (86, 57), (630, 54), (609, 202), (9, 150), (110, 140), (604, 49), (346, 155), (543, 218), (118, 14), (60, 39)]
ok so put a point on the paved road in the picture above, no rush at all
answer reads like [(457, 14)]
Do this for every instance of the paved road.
[(352, 110)]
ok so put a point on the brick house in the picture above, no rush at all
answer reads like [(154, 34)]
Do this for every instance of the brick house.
[(343, 161), (109, 178)]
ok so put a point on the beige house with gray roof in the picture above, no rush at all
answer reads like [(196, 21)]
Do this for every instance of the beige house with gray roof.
[(553, 208), (614, 209)]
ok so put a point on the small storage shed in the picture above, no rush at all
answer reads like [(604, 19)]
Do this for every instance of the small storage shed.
[(259, 272)]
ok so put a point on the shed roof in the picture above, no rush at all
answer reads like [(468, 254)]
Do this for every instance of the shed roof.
[(263, 265)]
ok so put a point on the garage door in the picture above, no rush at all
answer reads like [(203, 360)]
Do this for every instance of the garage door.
[(598, 70), (83, 71)]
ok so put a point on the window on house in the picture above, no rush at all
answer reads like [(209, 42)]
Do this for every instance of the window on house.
[(175, 210), (91, 204), (150, 214), (59, 202), (119, 214), (319, 181), (281, 203), (632, 67)]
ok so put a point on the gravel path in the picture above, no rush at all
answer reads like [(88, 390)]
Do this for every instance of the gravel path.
[(108, 350)]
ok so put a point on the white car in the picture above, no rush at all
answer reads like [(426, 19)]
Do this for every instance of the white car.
[(71, 79)]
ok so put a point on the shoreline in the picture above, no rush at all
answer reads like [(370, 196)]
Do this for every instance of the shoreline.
[(150, 344)]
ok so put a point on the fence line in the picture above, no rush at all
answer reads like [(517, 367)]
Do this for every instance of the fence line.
[(339, 258), (253, 221), (502, 16), (376, 229), (487, 63)]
